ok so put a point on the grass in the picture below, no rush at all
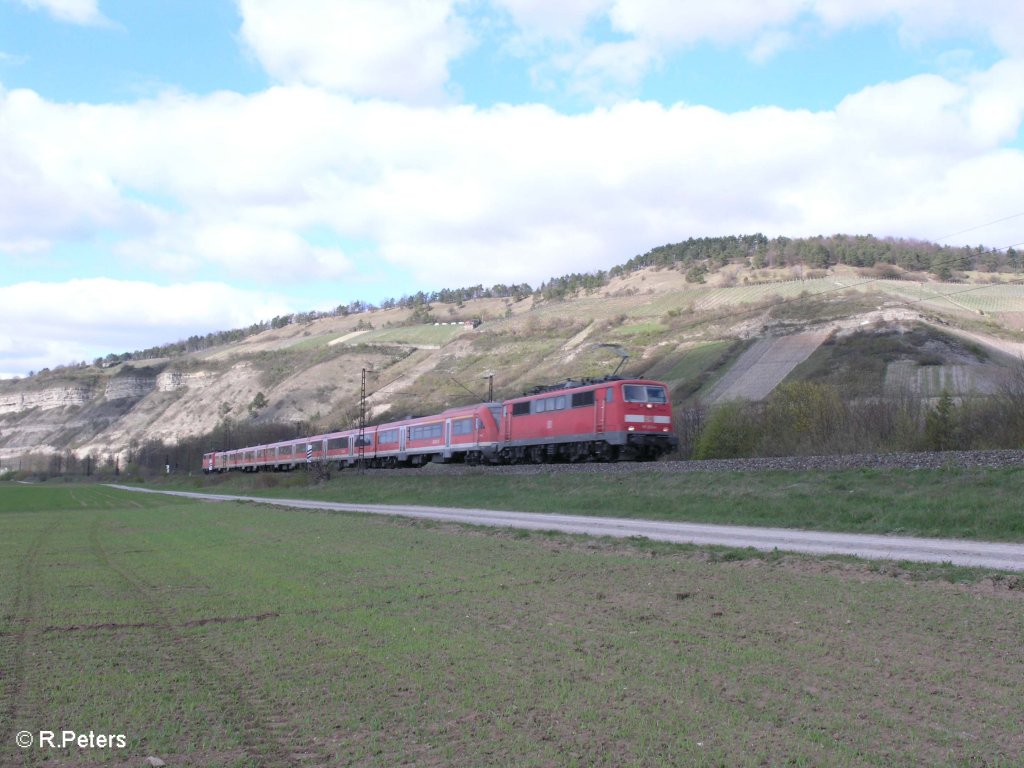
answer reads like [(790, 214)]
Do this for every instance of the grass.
[(696, 361), (313, 342), (696, 369), (633, 330), (979, 504), (242, 635), (989, 298), (414, 334)]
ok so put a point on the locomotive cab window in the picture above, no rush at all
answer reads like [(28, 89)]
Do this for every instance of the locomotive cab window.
[(657, 395), (521, 409), (636, 393)]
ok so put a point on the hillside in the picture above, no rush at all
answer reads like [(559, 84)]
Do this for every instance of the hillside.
[(730, 332)]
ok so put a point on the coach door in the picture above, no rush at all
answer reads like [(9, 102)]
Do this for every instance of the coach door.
[(599, 410), (447, 433)]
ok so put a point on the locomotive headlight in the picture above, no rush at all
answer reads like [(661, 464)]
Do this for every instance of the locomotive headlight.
[(631, 429)]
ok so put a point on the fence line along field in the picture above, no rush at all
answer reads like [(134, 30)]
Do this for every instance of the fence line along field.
[(243, 635)]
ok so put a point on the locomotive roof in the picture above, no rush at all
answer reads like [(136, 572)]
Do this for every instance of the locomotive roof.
[(576, 383)]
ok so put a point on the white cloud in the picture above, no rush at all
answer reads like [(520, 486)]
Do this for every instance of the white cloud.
[(459, 195), (185, 246), (47, 324), (609, 68), (71, 11), (402, 50), (760, 28), (542, 19), (399, 49), (1000, 20), (684, 22)]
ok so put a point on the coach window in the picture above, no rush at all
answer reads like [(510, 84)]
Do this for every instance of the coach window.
[(425, 432)]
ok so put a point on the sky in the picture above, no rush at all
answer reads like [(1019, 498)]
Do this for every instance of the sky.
[(173, 167)]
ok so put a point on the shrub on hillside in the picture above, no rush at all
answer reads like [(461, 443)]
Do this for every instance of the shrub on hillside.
[(730, 432), (803, 417)]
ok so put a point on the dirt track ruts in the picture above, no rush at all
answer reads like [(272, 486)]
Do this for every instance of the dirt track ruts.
[(14, 653)]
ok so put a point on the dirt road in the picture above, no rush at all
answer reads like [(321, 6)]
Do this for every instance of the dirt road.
[(1009, 557)]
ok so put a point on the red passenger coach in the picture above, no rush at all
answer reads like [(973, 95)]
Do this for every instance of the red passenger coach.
[(582, 421), (469, 434)]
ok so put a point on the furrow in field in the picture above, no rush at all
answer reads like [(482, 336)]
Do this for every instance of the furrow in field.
[(267, 738), (14, 641)]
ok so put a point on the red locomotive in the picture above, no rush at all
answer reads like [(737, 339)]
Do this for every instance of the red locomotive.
[(591, 420)]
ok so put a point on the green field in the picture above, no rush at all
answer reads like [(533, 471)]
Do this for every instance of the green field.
[(243, 635)]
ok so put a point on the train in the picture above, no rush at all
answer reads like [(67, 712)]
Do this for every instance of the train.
[(608, 419)]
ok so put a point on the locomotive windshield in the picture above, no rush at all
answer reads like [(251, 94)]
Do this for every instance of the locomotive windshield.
[(637, 393)]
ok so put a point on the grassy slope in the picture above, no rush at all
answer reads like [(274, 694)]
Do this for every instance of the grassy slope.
[(238, 635)]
